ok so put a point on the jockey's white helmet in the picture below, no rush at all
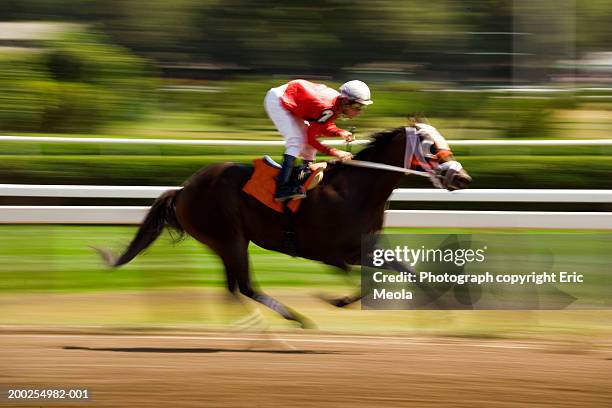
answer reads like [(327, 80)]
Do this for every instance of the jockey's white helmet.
[(356, 91)]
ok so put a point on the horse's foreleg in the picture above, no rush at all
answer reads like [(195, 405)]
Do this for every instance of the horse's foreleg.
[(341, 301), (236, 263)]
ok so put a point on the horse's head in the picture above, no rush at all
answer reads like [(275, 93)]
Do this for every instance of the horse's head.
[(437, 155), (418, 147)]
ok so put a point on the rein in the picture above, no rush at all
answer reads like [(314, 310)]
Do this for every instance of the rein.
[(387, 167), (381, 166)]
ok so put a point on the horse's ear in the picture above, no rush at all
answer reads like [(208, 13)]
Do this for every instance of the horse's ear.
[(416, 117)]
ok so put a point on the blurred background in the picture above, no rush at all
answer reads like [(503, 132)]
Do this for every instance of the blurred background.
[(199, 69)]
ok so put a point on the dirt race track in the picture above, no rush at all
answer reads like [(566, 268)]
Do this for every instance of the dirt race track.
[(179, 369)]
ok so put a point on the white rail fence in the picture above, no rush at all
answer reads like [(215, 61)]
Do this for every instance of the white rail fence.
[(400, 194), (394, 218), (279, 142)]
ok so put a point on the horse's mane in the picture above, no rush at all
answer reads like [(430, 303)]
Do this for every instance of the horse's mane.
[(378, 140)]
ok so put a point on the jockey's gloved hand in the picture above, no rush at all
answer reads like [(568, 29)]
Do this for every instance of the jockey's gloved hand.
[(341, 154), (347, 136), (452, 175)]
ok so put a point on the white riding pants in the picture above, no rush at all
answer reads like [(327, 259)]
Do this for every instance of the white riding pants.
[(292, 128)]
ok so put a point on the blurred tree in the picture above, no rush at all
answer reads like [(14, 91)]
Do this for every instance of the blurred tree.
[(74, 80), (322, 36), (593, 29), (166, 31), (447, 39), (488, 52), (55, 10)]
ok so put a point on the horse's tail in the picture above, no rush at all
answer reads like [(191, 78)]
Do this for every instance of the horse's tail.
[(161, 214)]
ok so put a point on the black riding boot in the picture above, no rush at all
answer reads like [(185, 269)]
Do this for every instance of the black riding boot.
[(285, 188)]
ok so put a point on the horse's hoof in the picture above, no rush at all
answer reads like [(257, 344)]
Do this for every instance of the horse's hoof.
[(338, 302), (341, 301), (251, 322), (307, 324)]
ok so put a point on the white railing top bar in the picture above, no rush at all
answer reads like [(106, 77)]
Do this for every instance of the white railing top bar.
[(212, 142), (393, 218), (400, 194), (503, 195), (83, 191)]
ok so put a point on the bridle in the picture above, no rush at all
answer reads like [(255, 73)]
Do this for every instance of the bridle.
[(413, 149)]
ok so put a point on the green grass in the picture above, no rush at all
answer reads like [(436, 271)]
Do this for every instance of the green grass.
[(490, 166), (43, 148), (58, 258), (49, 276), (504, 171)]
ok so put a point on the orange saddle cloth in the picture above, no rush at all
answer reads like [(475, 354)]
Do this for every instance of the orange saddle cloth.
[(262, 184)]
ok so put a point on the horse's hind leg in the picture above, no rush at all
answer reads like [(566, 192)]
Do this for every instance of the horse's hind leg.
[(236, 262)]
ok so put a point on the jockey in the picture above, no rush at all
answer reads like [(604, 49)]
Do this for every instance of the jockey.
[(302, 111)]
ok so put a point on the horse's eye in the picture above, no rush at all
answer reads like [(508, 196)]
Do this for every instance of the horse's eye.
[(428, 147)]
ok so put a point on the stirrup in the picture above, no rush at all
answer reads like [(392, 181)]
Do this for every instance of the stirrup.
[(303, 174)]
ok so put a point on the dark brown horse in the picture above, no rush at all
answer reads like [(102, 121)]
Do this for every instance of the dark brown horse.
[(349, 203)]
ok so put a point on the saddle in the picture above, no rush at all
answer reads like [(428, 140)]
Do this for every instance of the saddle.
[(262, 183)]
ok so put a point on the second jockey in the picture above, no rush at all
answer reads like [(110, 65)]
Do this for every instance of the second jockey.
[(303, 111)]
